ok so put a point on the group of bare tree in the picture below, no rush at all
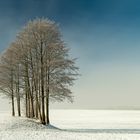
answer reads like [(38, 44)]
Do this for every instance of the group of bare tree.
[(36, 68)]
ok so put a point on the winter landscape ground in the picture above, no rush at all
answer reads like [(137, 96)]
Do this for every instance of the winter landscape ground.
[(74, 125)]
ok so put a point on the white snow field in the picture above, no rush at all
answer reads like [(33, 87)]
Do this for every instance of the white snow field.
[(74, 125)]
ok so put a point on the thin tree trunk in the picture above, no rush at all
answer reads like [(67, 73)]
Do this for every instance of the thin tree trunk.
[(42, 86), (32, 104), (18, 104), (47, 107), (36, 105), (47, 95), (39, 102), (13, 108), (37, 108), (12, 97), (33, 84), (26, 103), (29, 113), (27, 91), (39, 111), (30, 95), (17, 92)]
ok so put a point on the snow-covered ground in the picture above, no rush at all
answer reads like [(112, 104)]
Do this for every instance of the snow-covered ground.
[(74, 125)]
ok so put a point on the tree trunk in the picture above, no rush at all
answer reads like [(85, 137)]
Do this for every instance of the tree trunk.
[(42, 86), (18, 96), (39, 102), (32, 85), (13, 108), (18, 105), (31, 105), (30, 95), (36, 105), (47, 108), (12, 97), (26, 103), (29, 112), (47, 95), (39, 111), (27, 91)]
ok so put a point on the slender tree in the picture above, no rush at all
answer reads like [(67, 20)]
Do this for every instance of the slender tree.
[(7, 77)]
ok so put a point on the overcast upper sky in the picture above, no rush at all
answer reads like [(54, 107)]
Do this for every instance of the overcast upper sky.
[(103, 34)]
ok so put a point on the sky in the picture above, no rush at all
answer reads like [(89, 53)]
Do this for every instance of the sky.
[(102, 34)]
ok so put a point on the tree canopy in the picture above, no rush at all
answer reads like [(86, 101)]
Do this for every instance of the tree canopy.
[(37, 68)]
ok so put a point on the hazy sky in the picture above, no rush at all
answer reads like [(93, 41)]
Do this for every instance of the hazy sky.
[(103, 34)]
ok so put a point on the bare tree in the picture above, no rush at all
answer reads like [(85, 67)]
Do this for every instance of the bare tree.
[(7, 76), (43, 69)]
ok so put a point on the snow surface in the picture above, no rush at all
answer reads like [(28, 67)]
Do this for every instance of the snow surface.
[(74, 125)]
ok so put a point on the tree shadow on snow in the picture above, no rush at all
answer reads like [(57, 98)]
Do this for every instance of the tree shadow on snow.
[(49, 126), (115, 131), (122, 131)]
